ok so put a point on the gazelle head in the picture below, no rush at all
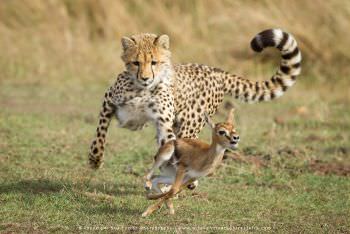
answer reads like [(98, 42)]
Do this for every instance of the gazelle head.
[(224, 133)]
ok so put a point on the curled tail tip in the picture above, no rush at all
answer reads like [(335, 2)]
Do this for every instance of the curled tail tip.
[(262, 40), (271, 38)]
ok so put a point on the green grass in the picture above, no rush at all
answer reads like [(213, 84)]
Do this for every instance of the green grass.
[(291, 173), (272, 182)]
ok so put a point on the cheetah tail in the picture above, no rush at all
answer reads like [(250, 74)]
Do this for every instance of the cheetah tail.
[(285, 77)]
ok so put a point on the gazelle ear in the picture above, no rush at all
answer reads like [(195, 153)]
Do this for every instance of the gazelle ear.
[(127, 43), (162, 41), (209, 121), (230, 117)]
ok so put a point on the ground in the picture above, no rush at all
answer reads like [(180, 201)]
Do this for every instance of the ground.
[(291, 172)]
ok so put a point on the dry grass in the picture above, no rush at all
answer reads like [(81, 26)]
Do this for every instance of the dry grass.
[(41, 35)]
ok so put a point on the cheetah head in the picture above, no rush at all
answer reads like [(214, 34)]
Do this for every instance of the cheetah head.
[(147, 58)]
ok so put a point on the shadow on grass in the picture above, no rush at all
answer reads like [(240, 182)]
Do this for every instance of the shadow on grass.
[(100, 201), (45, 186), (110, 209), (31, 186)]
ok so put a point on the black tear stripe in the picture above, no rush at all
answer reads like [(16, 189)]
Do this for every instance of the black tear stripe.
[(138, 70), (152, 66)]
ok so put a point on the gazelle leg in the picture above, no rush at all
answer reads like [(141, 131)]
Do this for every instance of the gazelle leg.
[(164, 154), (180, 175), (169, 203), (153, 207)]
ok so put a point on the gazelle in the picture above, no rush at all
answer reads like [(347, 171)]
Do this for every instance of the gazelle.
[(183, 161)]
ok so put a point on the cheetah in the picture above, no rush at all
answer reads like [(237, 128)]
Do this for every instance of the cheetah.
[(175, 96)]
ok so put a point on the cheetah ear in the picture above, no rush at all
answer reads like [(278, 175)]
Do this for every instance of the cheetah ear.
[(209, 121), (230, 116), (162, 41), (127, 43)]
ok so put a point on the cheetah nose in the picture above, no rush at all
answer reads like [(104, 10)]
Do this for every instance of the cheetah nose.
[(144, 78)]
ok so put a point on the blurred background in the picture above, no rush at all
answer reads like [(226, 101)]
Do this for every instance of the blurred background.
[(57, 57), (61, 39)]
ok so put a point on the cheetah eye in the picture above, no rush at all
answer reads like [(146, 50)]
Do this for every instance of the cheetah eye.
[(222, 133), (136, 63), (154, 63)]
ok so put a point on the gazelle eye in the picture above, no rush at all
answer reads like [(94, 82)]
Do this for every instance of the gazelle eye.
[(136, 63), (154, 63), (222, 133)]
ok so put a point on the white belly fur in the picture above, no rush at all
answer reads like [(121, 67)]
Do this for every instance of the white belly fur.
[(132, 115), (195, 174)]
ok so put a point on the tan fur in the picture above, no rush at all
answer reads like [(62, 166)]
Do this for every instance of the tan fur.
[(186, 160)]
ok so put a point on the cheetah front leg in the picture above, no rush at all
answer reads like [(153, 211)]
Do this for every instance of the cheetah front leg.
[(162, 114), (98, 144)]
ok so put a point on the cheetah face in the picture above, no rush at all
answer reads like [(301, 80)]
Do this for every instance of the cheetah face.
[(147, 59)]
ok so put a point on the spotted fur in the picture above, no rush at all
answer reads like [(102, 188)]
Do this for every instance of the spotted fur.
[(175, 96)]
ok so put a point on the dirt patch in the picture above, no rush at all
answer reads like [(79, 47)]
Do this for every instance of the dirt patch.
[(322, 139), (130, 171), (288, 151), (259, 161), (97, 196), (200, 195), (325, 168), (342, 150), (315, 138)]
